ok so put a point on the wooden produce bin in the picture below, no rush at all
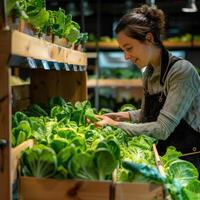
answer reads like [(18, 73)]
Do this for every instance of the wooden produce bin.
[(67, 83), (138, 191), (141, 191), (32, 188), (15, 157)]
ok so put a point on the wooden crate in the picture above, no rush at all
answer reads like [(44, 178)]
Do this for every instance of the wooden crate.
[(69, 85), (15, 156), (21, 44), (31, 188), (138, 191)]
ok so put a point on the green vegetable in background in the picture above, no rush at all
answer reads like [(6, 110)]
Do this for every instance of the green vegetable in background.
[(183, 171), (56, 101), (38, 128), (17, 118), (192, 190), (82, 111), (127, 107), (57, 144), (21, 133), (65, 155), (39, 161), (40, 20), (170, 156), (61, 113), (76, 149), (20, 116), (85, 169), (68, 133), (104, 111), (105, 163), (82, 38), (36, 111)]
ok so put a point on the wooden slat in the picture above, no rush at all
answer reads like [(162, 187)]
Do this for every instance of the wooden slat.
[(21, 92), (50, 189), (158, 162), (20, 105), (15, 156), (5, 128), (138, 191), (5, 44), (28, 46), (69, 85), (115, 83)]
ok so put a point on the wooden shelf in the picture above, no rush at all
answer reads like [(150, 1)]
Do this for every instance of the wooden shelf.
[(114, 83), (196, 43), (168, 44), (44, 84), (104, 45), (21, 44)]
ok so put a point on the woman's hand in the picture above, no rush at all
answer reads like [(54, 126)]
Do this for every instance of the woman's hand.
[(119, 116), (104, 120)]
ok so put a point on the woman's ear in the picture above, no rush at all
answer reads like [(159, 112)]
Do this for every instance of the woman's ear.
[(149, 37)]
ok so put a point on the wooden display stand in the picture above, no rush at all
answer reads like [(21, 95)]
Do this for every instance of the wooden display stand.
[(44, 84), (138, 191), (51, 189), (15, 157)]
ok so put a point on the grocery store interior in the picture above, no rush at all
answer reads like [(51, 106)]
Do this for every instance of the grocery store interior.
[(106, 61), (61, 65)]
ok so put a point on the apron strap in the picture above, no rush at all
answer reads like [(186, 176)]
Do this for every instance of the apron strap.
[(166, 63)]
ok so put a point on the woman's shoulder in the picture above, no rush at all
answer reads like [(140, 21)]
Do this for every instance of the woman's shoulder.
[(183, 68), (184, 72)]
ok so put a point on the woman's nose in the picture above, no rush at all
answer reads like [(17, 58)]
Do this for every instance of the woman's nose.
[(126, 56)]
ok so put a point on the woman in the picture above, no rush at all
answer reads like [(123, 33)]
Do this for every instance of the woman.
[(170, 108)]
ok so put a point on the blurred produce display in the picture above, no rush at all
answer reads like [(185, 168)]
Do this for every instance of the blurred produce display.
[(182, 38), (120, 73)]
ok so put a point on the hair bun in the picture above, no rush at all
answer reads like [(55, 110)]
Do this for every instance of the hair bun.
[(153, 14)]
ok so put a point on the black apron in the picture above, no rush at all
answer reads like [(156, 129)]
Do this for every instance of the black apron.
[(184, 137)]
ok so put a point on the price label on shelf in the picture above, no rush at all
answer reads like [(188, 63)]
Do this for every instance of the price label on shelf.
[(66, 66), (45, 65), (57, 66), (31, 63)]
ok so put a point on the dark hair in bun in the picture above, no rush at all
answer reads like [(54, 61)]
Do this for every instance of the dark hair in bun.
[(142, 20)]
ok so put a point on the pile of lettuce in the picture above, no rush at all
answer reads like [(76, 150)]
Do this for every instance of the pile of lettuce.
[(69, 147), (180, 180), (47, 21)]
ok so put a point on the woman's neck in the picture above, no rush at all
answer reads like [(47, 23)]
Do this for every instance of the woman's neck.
[(156, 57)]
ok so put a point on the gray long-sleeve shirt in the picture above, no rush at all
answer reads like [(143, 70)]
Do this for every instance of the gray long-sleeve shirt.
[(182, 90)]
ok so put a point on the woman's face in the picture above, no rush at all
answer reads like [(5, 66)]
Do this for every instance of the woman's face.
[(134, 50)]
